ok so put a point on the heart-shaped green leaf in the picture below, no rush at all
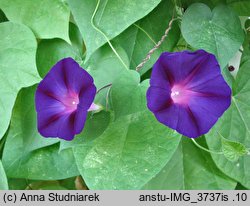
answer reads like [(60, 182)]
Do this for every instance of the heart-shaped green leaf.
[(218, 32), (233, 150)]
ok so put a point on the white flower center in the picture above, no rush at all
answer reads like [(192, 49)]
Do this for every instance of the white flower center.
[(175, 93)]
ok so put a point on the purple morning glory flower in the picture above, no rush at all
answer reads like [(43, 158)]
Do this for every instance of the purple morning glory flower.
[(187, 92), (63, 99)]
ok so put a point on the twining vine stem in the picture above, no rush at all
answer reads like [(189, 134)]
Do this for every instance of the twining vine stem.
[(139, 67)]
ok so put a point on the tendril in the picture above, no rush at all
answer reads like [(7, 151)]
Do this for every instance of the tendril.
[(106, 86), (205, 149), (105, 36), (146, 33)]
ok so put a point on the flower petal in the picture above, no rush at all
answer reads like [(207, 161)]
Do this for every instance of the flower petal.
[(86, 97), (80, 118), (158, 99), (169, 116)]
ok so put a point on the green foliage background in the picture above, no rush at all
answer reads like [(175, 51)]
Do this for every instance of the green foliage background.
[(122, 146)]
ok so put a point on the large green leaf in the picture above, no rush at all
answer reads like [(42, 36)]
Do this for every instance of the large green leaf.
[(128, 154), (190, 168), (3, 178), (138, 41), (113, 17), (218, 32), (17, 66), (133, 148), (26, 153), (47, 18), (42, 164), (235, 126)]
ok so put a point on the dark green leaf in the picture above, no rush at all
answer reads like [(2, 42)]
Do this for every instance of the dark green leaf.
[(49, 52)]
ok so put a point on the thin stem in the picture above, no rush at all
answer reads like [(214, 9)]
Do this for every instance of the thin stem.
[(107, 98), (145, 32), (107, 39), (106, 86), (205, 149), (139, 67)]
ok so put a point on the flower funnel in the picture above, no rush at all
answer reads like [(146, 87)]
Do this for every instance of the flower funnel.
[(187, 92), (62, 100)]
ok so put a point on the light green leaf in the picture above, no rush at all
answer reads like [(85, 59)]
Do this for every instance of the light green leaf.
[(141, 37), (24, 122), (17, 66), (235, 126), (104, 65), (134, 147), (122, 89), (190, 168), (233, 150), (113, 17), (43, 164), (47, 19), (218, 32), (27, 154), (3, 178), (128, 154)]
